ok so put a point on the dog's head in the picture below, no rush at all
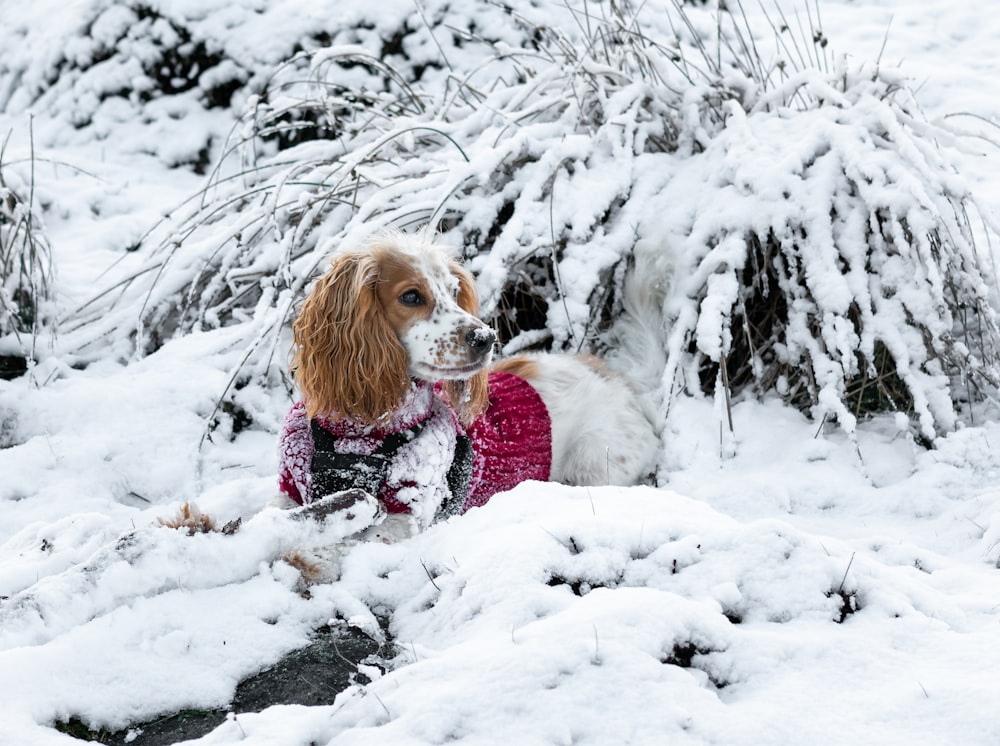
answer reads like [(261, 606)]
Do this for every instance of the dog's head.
[(396, 309)]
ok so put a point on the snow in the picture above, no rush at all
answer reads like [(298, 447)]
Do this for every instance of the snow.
[(786, 582)]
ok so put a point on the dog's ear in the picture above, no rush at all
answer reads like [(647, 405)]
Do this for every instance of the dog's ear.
[(347, 360), (468, 296), (469, 397)]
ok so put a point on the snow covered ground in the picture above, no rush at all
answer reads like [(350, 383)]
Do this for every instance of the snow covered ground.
[(796, 589)]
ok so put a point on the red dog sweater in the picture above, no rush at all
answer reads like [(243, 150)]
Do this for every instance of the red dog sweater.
[(511, 442)]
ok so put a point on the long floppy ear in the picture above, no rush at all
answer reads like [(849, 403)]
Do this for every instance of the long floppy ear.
[(470, 397), (348, 361)]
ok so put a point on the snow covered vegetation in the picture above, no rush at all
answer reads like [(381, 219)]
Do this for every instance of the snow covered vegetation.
[(784, 240), (26, 269), (842, 275)]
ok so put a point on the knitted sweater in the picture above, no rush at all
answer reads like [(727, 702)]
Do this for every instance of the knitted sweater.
[(511, 443)]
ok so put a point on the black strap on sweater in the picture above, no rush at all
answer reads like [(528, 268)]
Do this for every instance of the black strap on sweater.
[(459, 479), (336, 472)]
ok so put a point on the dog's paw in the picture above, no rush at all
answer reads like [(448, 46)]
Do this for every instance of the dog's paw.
[(315, 567), (354, 510), (396, 527)]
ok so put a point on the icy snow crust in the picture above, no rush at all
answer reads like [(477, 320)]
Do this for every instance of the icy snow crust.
[(790, 585)]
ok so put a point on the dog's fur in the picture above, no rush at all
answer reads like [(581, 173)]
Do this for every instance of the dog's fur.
[(401, 309)]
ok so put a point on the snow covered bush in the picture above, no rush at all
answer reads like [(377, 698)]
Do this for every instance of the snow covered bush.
[(819, 240), (827, 255), (111, 63), (25, 272)]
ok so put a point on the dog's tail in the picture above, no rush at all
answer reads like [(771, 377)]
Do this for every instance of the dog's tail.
[(638, 338)]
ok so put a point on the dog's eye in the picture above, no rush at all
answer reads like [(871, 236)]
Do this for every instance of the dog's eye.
[(412, 298)]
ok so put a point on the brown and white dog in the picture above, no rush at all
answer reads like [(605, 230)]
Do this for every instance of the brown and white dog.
[(400, 395)]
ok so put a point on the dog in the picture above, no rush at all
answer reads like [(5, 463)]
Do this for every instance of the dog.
[(401, 396)]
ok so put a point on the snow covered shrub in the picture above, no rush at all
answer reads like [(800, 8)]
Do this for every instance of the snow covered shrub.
[(25, 273), (818, 236), (109, 62), (827, 255)]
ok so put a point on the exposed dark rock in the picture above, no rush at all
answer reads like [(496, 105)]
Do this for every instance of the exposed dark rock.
[(12, 366), (313, 675)]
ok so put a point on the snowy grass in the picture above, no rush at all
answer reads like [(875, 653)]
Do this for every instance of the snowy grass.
[(842, 273), (26, 292)]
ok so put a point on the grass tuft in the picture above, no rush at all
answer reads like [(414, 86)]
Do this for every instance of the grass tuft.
[(26, 272)]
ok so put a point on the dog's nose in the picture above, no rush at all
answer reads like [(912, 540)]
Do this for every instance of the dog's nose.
[(481, 339)]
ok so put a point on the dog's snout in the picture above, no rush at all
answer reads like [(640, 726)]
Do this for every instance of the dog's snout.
[(481, 339)]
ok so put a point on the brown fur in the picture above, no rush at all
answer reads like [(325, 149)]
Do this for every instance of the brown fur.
[(522, 367), (312, 569), (348, 361), (190, 519)]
